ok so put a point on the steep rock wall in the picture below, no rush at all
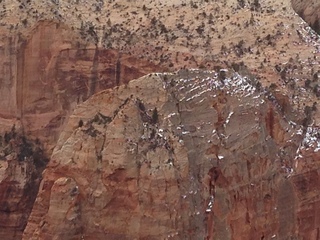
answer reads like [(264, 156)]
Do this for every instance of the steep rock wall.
[(183, 34), (309, 11), (18, 187), (44, 75), (191, 155), (21, 164), (48, 72)]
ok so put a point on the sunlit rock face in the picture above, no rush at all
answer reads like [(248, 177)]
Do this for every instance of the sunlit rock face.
[(44, 74), (310, 11), (55, 55), (188, 155), (49, 71)]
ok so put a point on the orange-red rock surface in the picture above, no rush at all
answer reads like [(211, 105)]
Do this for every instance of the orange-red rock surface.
[(309, 11), (49, 73), (43, 78), (21, 164), (218, 164), (217, 159)]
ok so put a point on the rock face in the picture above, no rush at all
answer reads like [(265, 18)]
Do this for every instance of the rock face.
[(255, 169), (191, 155), (49, 72), (18, 188), (309, 11), (43, 77), (21, 164)]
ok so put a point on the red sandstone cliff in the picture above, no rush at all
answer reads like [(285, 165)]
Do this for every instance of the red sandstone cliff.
[(181, 156), (309, 11), (54, 57), (49, 73), (45, 74)]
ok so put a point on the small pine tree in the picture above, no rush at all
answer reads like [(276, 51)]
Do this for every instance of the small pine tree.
[(256, 4), (13, 131), (7, 137), (80, 124), (241, 3), (155, 116), (141, 106)]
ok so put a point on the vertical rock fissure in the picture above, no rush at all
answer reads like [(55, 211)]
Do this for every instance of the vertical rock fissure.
[(20, 79), (118, 71), (194, 227), (94, 73)]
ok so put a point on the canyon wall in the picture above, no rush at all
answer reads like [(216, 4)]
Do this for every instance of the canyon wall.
[(50, 72), (117, 155), (309, 11), (45, 74), (190, 155)]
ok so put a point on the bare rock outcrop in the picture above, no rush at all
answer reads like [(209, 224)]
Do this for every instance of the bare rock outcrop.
[(49, 71), (21, 164), (54, 55), (190, 155), (44, 75), (309, 11)]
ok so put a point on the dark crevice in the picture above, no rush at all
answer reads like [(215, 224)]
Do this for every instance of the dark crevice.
[(28, 155), (117, 72), (311, 18), (94, 74)]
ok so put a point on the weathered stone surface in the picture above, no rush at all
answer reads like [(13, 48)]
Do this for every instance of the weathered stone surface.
[(54, 55), (21, 164), (50, 73), (309, 11), (221, 161), (45, 73)]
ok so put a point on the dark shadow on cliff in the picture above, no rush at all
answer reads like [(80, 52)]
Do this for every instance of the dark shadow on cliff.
[(22, 161), (309, 12)]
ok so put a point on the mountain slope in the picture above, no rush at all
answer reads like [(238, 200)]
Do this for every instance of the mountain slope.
[(189, 155), (55, 55)]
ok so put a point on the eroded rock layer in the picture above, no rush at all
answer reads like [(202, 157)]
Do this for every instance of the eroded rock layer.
[(44, 75), (47, 73), (190, 155), (309, 11), (21, 164), (56, 54)]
